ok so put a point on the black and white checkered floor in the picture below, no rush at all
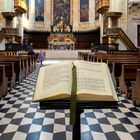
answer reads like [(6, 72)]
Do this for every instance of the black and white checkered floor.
[(21, 119)]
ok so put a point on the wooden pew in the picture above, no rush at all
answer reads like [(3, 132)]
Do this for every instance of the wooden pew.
[(123, 52), (128, 75), (10, 74), (36, 54), (105, 58), (115, 66), (28, 63), (96, 56), (115, 62), (18, 66), (91, 57), (3, 81), (136, 89), (102, 55), (79, 55), (83, 55), (8, 53)]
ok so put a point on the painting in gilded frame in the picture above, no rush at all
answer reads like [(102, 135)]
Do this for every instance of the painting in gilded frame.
[(84, 10), (39, 10), (61, 9)]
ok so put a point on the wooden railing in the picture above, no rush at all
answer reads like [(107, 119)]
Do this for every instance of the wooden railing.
[(118, 32), (2, 32), (124, 38)]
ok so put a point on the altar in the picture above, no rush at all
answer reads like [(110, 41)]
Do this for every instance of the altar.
[(61, 36), (61, 41)]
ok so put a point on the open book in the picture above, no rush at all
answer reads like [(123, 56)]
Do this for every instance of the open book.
[(94, 82)]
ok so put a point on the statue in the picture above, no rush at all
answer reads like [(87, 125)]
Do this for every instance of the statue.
[(61, 25)]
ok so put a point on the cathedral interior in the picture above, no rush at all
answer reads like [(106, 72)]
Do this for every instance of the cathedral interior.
[(102, 31)]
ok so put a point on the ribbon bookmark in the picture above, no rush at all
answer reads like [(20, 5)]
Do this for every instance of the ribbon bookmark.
[(73, 96)]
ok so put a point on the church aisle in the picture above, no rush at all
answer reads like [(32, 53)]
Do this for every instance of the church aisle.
[(21, 119)]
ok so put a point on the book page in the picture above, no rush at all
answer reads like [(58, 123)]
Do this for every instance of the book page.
[(94, 82), (54, 82)]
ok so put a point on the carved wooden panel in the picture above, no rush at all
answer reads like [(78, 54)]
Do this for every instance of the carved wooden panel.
[(39, 40)]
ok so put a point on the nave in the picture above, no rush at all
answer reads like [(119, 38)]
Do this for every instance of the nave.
[(22, 119)]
